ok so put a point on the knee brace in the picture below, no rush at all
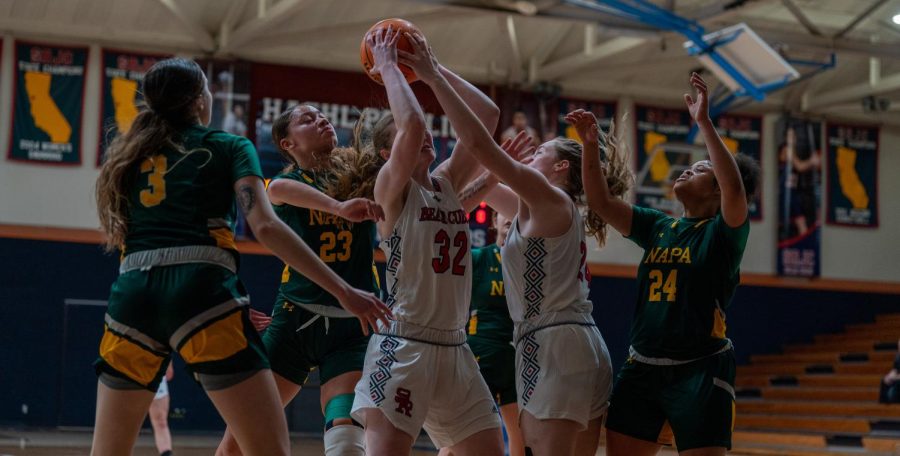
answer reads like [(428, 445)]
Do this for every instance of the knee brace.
[(343, 439)]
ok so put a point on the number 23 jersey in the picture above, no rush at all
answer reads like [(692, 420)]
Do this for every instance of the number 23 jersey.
[(344, 246), (429, 267)]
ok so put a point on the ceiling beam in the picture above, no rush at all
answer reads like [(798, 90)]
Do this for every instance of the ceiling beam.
[(861, 17), (549, 44), (232, 16), (854, 93), (105, 36), (822, 43), (798, 14), (559, 68), (255, 27), (323, 33), (200, 35), (510, 40)]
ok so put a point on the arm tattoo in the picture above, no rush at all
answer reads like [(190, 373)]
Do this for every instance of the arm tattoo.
[(246, 198), (474, 187)]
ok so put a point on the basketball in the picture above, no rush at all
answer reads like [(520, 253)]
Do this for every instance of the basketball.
[(365, 53)]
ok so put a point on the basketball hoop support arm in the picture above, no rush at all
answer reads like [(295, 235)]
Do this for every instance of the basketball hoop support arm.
[(650, 14)]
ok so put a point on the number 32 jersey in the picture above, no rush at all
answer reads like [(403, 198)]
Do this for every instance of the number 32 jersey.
[(429, 267)]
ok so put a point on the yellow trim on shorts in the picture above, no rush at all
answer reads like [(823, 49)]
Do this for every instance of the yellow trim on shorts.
[(666, 435), (719, 326), (216, 342), (129, 358), (224, 238)]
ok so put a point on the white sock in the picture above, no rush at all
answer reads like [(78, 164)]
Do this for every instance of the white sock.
[(345, 440)]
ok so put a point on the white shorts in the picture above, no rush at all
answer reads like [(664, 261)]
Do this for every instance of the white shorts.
[(564, 372), (163, 390), (418, 384)]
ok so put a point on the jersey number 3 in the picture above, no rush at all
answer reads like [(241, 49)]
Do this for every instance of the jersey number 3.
[(441, 263), (157, 167)]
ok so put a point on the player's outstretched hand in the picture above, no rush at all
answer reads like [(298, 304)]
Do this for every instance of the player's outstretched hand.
[(421, 59), (367, 308), (260, 320), (520, 148), (698, 108), (585, 124), (383, 43), (360, 209)]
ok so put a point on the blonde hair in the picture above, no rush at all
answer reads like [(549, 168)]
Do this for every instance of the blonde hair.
[(355, 168), (618, 175)]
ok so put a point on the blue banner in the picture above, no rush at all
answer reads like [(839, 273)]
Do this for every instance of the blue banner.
[(852, 198), (121, 96), (48, 98), (799, 198)]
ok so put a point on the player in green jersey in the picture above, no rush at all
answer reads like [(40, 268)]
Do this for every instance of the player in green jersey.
[(166, 197), (679, 377), (490, 332), (309, 329)]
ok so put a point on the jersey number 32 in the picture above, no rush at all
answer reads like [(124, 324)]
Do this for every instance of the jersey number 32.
[(441, 263)]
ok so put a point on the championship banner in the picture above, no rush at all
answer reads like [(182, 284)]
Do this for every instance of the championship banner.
[(743, 134), (852, 198), (121, 95), (661, 154), (48, 97), (800, 193), (605, 112)]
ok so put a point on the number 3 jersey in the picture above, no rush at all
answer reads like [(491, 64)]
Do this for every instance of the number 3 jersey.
[(687, 276), (187, 198), (346, 247), (429, 275)]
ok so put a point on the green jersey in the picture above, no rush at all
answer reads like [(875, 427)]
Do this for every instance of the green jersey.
[(687, 276), (346, 247), (490, 315), (179, 199)]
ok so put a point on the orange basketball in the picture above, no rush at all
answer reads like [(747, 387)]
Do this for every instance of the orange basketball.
[(365, 53)]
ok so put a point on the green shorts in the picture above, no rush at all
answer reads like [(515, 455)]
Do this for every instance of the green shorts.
[(334, 345), (198, 310), (693, 401), (497, 363)]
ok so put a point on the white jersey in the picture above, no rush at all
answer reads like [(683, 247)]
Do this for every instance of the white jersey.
[(429, 267), (545, 276)]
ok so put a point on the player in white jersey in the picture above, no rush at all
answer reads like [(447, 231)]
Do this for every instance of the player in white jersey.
[(565, 377), (419, 370)]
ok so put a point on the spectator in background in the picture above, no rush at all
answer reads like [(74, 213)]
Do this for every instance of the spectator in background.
[(890, 385), (234, 122), (520, 123), (159, 415)]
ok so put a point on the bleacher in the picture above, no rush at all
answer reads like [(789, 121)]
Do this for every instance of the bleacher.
[(821, 398)]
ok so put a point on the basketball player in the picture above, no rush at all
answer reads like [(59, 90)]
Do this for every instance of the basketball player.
[(564, 374), (159, 415), (309, 328), (419, 370), (165, 196), (491, 332), (679, 377)]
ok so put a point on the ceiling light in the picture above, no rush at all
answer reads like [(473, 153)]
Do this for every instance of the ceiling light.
[(896, 19)]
